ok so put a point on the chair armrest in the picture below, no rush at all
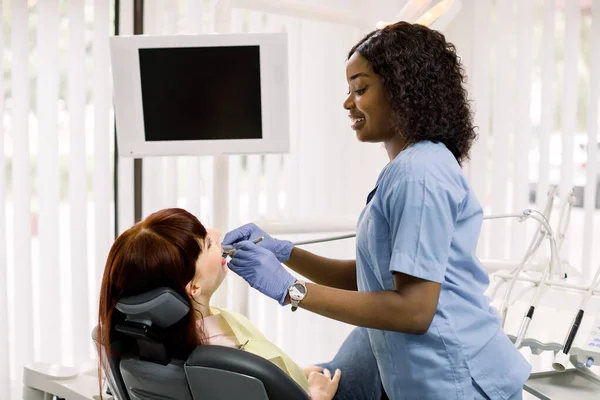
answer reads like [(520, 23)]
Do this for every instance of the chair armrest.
[(277, 383)]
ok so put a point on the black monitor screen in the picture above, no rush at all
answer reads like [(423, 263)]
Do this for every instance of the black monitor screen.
[(201, 93)]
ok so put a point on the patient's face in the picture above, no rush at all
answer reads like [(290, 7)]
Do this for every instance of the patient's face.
[(211, 267)]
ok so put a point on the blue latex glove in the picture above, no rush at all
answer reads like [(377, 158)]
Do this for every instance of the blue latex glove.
[(259, 267), (280, 248)]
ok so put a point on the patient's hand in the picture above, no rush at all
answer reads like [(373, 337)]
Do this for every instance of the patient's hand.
[(311, 368), (323, 386)]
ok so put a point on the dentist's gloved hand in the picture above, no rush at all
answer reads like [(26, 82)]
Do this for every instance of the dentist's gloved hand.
[(259, 267), (280, 248)]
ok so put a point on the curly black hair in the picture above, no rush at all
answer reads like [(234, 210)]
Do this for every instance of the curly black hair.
[(424, 81)]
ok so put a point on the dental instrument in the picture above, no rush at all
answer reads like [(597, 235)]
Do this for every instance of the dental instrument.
[(550, 268), (561, 358), (228, 250)]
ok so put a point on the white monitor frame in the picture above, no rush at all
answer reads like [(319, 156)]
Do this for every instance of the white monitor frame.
[(127, 95)]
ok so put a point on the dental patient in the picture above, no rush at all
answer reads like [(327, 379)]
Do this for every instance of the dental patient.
[(172, 248)]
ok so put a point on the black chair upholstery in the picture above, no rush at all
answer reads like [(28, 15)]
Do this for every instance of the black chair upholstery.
[(111, 367), (277, 384), (210, 372), (147, 380)]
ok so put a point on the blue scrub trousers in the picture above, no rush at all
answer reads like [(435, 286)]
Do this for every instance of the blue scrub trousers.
[(360, 375)]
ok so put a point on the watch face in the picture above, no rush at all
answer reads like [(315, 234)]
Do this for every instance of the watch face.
[(297, 292)]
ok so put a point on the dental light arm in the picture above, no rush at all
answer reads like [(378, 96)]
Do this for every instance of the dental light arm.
[(436, 12), (418, 12), (412, 10)]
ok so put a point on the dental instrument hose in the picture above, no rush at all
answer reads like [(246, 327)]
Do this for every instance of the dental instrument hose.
[(228, 250), (533, 246), (561, 358), (551, 267), (547, 211), (540, 234), (329, 239)]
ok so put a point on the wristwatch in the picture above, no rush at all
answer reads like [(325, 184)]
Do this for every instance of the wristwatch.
[(297, 293)]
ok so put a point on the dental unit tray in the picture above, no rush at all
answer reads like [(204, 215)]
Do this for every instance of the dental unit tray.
[(580, 384), (550, 327)]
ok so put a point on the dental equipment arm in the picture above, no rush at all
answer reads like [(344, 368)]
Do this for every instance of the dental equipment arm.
[(541, 233), (550, 268), (533, 246), (561, 358)]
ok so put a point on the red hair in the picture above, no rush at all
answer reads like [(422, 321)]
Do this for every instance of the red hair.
[(159, 251)]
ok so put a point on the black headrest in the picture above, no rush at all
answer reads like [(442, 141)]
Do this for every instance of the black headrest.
[(160, 307)]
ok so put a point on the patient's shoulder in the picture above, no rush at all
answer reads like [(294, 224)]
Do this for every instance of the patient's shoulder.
[(238, 320), (232, 314)]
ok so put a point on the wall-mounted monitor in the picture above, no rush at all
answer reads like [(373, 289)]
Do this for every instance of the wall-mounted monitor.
[(200, 94)]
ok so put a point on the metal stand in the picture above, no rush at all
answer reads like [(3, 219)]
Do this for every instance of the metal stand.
[(138, 29), (220, 193)]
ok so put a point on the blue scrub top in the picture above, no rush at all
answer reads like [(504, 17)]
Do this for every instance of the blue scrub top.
[(424, 220)]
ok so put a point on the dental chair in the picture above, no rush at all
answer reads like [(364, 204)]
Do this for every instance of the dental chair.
[(210, 372)]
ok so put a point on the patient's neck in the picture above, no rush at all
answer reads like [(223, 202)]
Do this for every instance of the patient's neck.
[(201, 305)]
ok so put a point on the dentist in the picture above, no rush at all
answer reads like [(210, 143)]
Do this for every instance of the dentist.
[(416, 284)]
